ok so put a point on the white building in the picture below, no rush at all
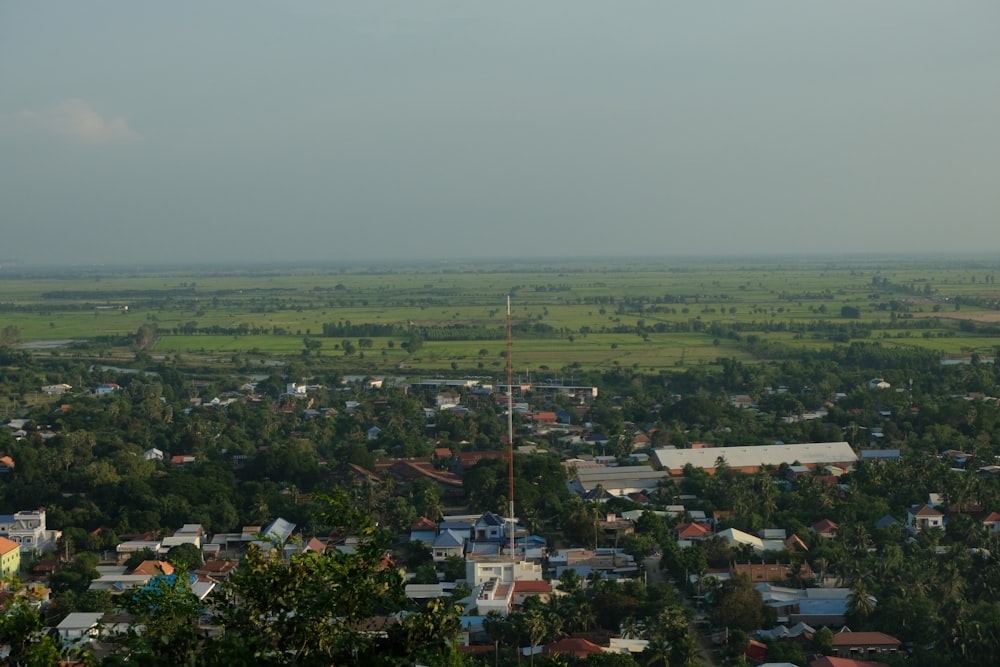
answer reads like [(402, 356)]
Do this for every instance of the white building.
[(750, 459), (738, 537), (477, 572), (496, 596), (27, 528), (189, 533), (297, 390), (618, 481), (923, 517), (79, 626)]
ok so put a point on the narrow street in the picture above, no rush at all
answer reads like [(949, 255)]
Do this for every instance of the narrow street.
[(655, 576)]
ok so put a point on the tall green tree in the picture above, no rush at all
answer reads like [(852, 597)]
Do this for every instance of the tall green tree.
[(329, 608), (164, 630), (27, 646)]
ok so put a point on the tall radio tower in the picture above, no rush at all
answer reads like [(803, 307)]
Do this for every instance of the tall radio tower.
[(510, 445)]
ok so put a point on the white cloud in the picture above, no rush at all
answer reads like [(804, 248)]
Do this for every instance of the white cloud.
[(76, 119)]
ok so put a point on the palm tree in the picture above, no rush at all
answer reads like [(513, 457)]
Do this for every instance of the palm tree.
[(861, 604), (536, 627), (856, 540), (495, 627), (577, 613), (630, 628), (657, 652)]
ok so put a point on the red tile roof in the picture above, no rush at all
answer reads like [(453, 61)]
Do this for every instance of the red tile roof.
[(824, 526), (469, 459), (756, 650), (864, 639), (423, 523), (580, 648), (926, 510), (532, 587), (830, 661)]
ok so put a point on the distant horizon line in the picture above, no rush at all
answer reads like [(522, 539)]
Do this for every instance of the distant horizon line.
[(515, 263)]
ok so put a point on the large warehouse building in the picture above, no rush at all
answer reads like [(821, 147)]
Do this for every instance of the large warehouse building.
[(749, 459)]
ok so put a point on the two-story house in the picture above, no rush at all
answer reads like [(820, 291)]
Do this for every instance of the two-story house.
[(27, 529), (10, 557)]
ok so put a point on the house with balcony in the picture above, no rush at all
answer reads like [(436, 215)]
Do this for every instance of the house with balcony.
[(27, 529), (489, 527)]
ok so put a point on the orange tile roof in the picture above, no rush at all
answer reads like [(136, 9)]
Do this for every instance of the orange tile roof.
[(830, 661), (863, 638), (691, 530), (6, 546), (153, 567)]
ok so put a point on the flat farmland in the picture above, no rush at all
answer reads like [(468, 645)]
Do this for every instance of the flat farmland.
[(651, 316)]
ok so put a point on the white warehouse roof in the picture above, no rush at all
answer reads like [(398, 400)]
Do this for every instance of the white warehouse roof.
[(813, 453)]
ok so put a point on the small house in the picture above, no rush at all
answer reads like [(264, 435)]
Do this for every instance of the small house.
[(825, 528), (923, 517), (448, 543), (489, 527), (992, 522)]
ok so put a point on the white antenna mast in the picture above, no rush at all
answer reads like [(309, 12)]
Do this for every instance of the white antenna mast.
[(510, 445)]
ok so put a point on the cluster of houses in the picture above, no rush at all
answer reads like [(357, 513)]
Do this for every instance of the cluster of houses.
[(504, 565), (84, 629), (62, 388)]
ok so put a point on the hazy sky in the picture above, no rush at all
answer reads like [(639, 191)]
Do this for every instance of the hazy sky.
[(145, 132)]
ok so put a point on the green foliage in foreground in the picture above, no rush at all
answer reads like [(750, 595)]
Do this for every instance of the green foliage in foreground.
[(333, 608)]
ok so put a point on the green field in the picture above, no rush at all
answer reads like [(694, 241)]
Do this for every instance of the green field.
[(649, 316)]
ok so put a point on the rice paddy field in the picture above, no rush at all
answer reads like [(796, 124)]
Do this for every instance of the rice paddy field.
[(652, 316)]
